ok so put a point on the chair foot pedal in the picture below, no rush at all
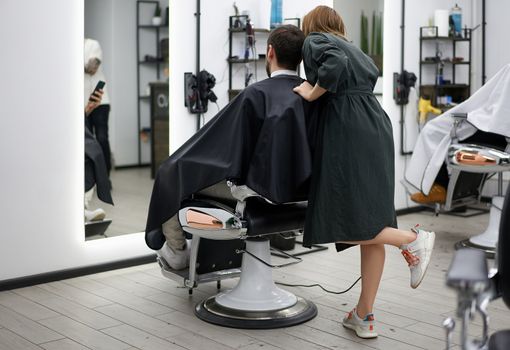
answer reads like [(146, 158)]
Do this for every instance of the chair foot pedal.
[(94, 228), (490, 252)]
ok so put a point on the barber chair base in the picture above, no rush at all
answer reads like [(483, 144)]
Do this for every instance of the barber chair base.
[(210, 311), (256, 290), (256, 302), (487, 240)]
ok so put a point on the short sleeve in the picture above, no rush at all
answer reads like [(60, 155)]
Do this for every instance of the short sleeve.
[(330, 60)]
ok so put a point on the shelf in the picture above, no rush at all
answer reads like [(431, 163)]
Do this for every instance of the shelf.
[(446, 86), (237, 60), (242, 30), (443, 38), (150, 26), (445, 62), (444, 108), (144, 97), (151, 62)]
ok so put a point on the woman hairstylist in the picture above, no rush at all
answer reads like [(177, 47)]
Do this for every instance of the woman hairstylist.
[(352, 194)]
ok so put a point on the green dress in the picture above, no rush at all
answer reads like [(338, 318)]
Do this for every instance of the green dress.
[(352, 189)]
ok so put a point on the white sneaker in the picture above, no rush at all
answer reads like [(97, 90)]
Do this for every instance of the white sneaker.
[(364, 328), (418, 253), (94, 215), (176, 259)]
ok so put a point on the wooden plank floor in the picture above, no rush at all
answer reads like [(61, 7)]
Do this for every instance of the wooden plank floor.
[(137, 308)]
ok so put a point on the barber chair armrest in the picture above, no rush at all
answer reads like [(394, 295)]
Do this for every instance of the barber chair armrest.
[(468, 271), (458, 119), (459, 116), (477, 159), (211, 220)]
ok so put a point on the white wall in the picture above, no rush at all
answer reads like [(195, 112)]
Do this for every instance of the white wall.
[(214, 52), (41, 183), (498, 48)]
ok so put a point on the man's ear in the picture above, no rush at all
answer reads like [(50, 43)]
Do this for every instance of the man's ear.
[(270, 51)]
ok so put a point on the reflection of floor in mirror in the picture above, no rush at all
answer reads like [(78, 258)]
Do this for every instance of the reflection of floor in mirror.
[(131, 193), (137, 307)]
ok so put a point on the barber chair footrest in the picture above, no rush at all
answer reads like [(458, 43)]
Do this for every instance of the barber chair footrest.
[(210, 311), (499, 340), (490, 252), (96, 228)]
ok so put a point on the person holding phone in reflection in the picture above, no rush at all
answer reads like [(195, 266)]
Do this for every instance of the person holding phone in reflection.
[(97, 121), (96, 176)]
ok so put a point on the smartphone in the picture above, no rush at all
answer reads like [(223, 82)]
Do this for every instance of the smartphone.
[(99, 86)]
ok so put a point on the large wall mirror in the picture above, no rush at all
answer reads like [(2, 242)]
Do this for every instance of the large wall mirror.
[(126, 46)]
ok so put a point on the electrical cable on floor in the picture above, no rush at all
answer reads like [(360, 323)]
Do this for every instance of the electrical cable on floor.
[(318, 285)]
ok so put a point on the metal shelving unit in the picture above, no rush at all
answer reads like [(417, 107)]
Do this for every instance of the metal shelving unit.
[(458, 91), (231, 61), (157, 64)]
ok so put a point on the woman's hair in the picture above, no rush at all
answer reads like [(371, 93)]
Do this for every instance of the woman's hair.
[(323, 19)]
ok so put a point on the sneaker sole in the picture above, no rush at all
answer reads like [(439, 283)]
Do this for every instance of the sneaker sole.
[(361, 334), (433, 239)]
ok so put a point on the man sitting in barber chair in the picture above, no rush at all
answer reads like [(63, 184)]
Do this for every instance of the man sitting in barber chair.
[(262, 139)]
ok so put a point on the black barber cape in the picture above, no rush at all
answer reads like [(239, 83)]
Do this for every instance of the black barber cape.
[(263, 138), (99, 175)]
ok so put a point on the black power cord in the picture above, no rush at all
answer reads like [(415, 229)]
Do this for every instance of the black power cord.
[(321, 287)]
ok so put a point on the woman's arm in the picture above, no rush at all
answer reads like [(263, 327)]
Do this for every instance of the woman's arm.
[(308, 92)]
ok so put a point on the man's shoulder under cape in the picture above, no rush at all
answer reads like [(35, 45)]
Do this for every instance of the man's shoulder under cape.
[(263, 138)]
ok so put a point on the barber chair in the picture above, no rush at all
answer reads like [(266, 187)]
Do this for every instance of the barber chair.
[(476, 287), (242, 229), (471, 165)]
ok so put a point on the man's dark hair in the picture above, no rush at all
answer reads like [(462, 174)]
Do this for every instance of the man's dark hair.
[(287, 42)]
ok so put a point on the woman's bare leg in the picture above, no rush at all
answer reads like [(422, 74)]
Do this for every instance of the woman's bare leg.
[(389, 235), (372, 264)]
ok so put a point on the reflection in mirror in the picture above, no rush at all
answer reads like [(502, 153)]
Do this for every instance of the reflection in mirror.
[(126, 111), (364, 24)]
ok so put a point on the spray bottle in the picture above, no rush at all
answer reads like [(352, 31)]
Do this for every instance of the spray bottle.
[(456, 14)]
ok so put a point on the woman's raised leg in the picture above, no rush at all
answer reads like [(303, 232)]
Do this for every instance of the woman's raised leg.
[(391, 236)]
